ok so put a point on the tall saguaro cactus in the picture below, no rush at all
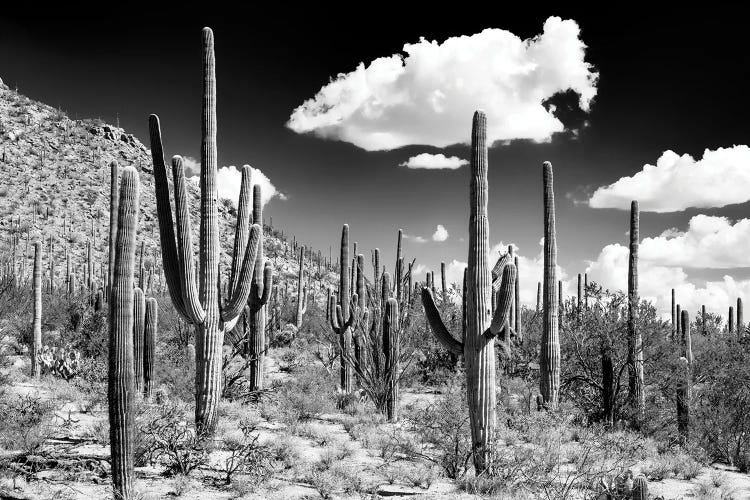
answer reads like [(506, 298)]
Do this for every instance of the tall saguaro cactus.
[(684, 379), (342, 315), (550, 356), (149, 345), (113, 206), (199, 304), (36, 347), (139, 324), (482, 323), (391, 329), (635, 340), (120, 377), (260, 291), (301, 291)]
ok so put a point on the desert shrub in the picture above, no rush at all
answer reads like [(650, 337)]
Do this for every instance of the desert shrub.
[(285, 451), (442, 428), (166, 438), (673, 464), (300, 399), (246, 456), (26, 422)]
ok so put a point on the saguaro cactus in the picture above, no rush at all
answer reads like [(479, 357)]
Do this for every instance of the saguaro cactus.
[(301, 292), (149, 345), (120, 376), (730, 320), (740, 319), (635, 340), (139, 324), (482, 324), (675, 319), (391, 328), (199, 304), (113, 205), (549, 382), (684, 379), (538, 297), (260, 291), (36, 347), (517, 302), (342, 315)]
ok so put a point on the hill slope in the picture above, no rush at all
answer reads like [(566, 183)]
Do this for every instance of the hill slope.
[(56, 183)]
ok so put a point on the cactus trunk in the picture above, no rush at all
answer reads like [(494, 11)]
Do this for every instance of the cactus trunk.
[(635, 340), (139, 323), (149, 345), (391, 353), (36, 347), (550, 355), (120, 376)]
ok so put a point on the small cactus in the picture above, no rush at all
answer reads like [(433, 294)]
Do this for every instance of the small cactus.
[(301, 292), (640, 489), (36, 348)]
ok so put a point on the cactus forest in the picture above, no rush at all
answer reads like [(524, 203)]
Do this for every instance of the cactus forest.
[(161, 336)]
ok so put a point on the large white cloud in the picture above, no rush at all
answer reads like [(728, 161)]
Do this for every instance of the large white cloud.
[(427, 96), (720, 178), (710, 242), (229, 180), (610, 269), (440, 234), (434, 161)]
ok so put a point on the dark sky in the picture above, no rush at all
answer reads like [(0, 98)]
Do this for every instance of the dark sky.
[(671, 81)]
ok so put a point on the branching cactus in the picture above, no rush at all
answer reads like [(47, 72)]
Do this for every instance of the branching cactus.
[(342, 315), (260, 291), (199, 302), (301, 292), (149, 345), (139, 324), (482, 324), (549, 381), (36, 347), (120, 377), (635, 340)]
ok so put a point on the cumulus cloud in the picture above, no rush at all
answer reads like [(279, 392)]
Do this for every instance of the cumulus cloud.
[(610, 269), (710, 242), (720, 178), (229, 179), (440, 234), (432, 162), (427, 95), (191, 165)]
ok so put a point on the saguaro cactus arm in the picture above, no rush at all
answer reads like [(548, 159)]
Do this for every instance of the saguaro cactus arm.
[(238, 298), (242, 229), (166, 221), (436, 323), (504, 301)]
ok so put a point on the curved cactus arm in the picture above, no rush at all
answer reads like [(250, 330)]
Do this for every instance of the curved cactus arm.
[(437, 325), (497, 271), (333, 315), (267, 283), (504, 301), (340, 317), (350, 320), (185, 244), (242, 230), (239, 296), (304, 299), (166, 222)]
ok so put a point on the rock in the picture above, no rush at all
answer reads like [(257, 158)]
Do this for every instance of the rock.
[(396, 490)]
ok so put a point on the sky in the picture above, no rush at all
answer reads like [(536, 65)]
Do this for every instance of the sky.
[(366, 121)]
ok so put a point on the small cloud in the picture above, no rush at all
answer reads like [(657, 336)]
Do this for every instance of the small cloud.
[(440, 234), (434, 162), (415, 239), (192, 166), (229, 180)]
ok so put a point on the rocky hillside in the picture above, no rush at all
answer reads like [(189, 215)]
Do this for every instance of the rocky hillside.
[(56, 183)]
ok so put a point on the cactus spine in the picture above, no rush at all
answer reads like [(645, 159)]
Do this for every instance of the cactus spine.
[(260, 291), (200, 304), (482, 324), (635, 340), (301, 292), (550, 356), (139, 323), (149, 345), (120, 376), (36, 348)]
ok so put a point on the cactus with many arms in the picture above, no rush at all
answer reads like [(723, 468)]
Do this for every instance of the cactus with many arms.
[(342, 315), (199, 303), (36, 347), (149, 345), (120, 376), (549, 381), (482, 324)]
